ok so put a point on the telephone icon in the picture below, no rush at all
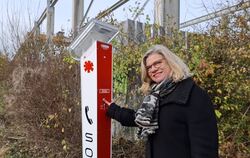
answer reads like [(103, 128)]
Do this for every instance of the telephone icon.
[(87, 116)]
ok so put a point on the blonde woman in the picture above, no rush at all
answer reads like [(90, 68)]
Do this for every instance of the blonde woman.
[(176, 116)]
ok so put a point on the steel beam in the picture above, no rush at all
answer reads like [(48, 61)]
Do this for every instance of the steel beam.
[(43, 16), (112, 8), (216, 14)]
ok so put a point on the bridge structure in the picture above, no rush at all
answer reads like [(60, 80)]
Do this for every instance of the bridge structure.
[(166, 15)]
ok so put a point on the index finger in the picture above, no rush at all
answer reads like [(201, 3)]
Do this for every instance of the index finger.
[(106, 102)]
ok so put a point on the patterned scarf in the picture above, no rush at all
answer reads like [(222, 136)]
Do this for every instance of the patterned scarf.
[(146, 116)]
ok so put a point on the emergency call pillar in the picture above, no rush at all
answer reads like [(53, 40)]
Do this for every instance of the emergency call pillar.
[(92, 48), (96, 84)]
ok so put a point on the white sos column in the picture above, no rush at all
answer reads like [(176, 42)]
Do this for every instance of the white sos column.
[(96, 84), (95, 54)]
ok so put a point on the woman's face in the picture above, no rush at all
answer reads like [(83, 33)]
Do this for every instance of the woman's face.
[(157, 67)]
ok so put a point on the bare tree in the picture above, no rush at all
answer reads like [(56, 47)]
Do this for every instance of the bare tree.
[(16, 21)]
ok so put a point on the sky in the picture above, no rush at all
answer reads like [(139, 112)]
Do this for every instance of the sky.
[(24, 12)]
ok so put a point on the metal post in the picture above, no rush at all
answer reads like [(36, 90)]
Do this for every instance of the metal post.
[(128, 27), (77, 15), (50, 20), (186, 40), (36, 28), (167, 14), (139, 34)]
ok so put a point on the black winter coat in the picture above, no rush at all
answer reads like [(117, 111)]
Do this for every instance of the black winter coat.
[(187, 124)]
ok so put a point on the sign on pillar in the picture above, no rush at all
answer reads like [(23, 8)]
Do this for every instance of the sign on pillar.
[(96, 84)]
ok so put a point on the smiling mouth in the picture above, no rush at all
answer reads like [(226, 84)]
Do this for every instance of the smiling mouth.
[(157, 74)]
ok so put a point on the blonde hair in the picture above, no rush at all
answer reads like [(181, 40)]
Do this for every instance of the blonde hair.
[(180, 70)]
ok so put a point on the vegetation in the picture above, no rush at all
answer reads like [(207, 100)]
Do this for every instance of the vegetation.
[(40, 90)]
